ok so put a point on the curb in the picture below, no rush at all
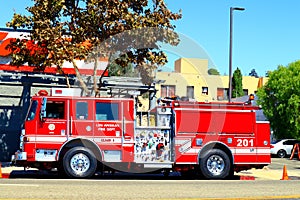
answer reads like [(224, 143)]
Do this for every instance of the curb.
[(5, 175), (247, 178)]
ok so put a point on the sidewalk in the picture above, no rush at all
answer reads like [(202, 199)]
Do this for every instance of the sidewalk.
[(269, 174), (8, 170)]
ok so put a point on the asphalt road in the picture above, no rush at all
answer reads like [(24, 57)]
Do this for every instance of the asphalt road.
[(128, 186), (292, 165), (146, 189)]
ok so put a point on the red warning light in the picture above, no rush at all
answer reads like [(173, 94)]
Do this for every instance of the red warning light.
[(58, 91), (43, 93)]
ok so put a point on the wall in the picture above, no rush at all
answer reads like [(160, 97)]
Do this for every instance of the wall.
[(193, 72)]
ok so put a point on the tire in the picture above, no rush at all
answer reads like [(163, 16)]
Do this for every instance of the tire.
[(281, 153), (215, 164), (79, 162)]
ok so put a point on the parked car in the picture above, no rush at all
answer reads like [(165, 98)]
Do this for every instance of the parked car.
[(283, 147)]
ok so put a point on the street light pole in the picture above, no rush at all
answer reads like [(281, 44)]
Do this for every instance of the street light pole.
[(230, 49)]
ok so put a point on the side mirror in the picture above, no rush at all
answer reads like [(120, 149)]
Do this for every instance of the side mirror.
[(43, 109)]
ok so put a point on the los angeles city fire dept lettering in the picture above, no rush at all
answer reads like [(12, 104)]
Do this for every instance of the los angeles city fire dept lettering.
[(107, 127)]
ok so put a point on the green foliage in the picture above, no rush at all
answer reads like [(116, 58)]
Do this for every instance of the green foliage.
[(117, 70), (237, 84), (280, 100), (88, 29), (213, 71), (267, 73)]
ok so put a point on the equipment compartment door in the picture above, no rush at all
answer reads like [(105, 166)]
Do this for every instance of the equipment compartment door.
[(152, 145)]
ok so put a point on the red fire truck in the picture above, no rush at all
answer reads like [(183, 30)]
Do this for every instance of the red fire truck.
[(83, 135)]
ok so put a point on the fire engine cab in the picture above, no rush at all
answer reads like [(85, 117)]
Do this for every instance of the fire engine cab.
[(83, 135)]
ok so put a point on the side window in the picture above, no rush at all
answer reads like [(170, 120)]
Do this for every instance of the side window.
[(81, 110), (55, 109), (107, 111), (288, 142), (291, 142)]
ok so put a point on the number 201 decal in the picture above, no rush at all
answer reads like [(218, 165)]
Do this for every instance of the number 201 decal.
[(245, 142)]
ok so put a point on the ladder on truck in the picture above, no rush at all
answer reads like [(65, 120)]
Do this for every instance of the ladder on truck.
[(17, 87)]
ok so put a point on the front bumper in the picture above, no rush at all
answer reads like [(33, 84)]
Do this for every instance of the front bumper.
[(19, 156)]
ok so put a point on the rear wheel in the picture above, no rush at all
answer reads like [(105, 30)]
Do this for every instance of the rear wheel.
[(79, 162), (215, 164), (281, 153)]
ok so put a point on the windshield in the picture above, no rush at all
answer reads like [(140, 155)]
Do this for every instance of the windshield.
[(32, 110)]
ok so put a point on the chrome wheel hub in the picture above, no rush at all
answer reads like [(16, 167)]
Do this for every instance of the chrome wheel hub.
[(215, 165), (80, 163)]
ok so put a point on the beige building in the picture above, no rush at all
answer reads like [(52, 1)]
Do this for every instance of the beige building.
[(191, 79)]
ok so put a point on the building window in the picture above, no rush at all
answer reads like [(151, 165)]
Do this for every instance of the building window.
[(190, 92), (245, 92), (205, 90), (222, 94), (167, 90)]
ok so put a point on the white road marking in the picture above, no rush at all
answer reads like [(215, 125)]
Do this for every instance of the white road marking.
[(20, 185)]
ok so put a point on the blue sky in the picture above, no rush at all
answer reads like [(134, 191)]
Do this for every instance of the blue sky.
[(265, 35)]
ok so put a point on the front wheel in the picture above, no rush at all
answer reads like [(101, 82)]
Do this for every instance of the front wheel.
[(281, 153), (79, 162), (215, 164)]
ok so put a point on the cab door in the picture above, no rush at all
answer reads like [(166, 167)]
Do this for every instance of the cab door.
[(54, 119), (114, 127), (81, 118), (52, 129)]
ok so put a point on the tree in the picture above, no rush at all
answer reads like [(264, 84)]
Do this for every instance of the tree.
[(66, 30), (267, 73), (237, 84), (117, 70), (280, 100), (253, 73), (213, 71)]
